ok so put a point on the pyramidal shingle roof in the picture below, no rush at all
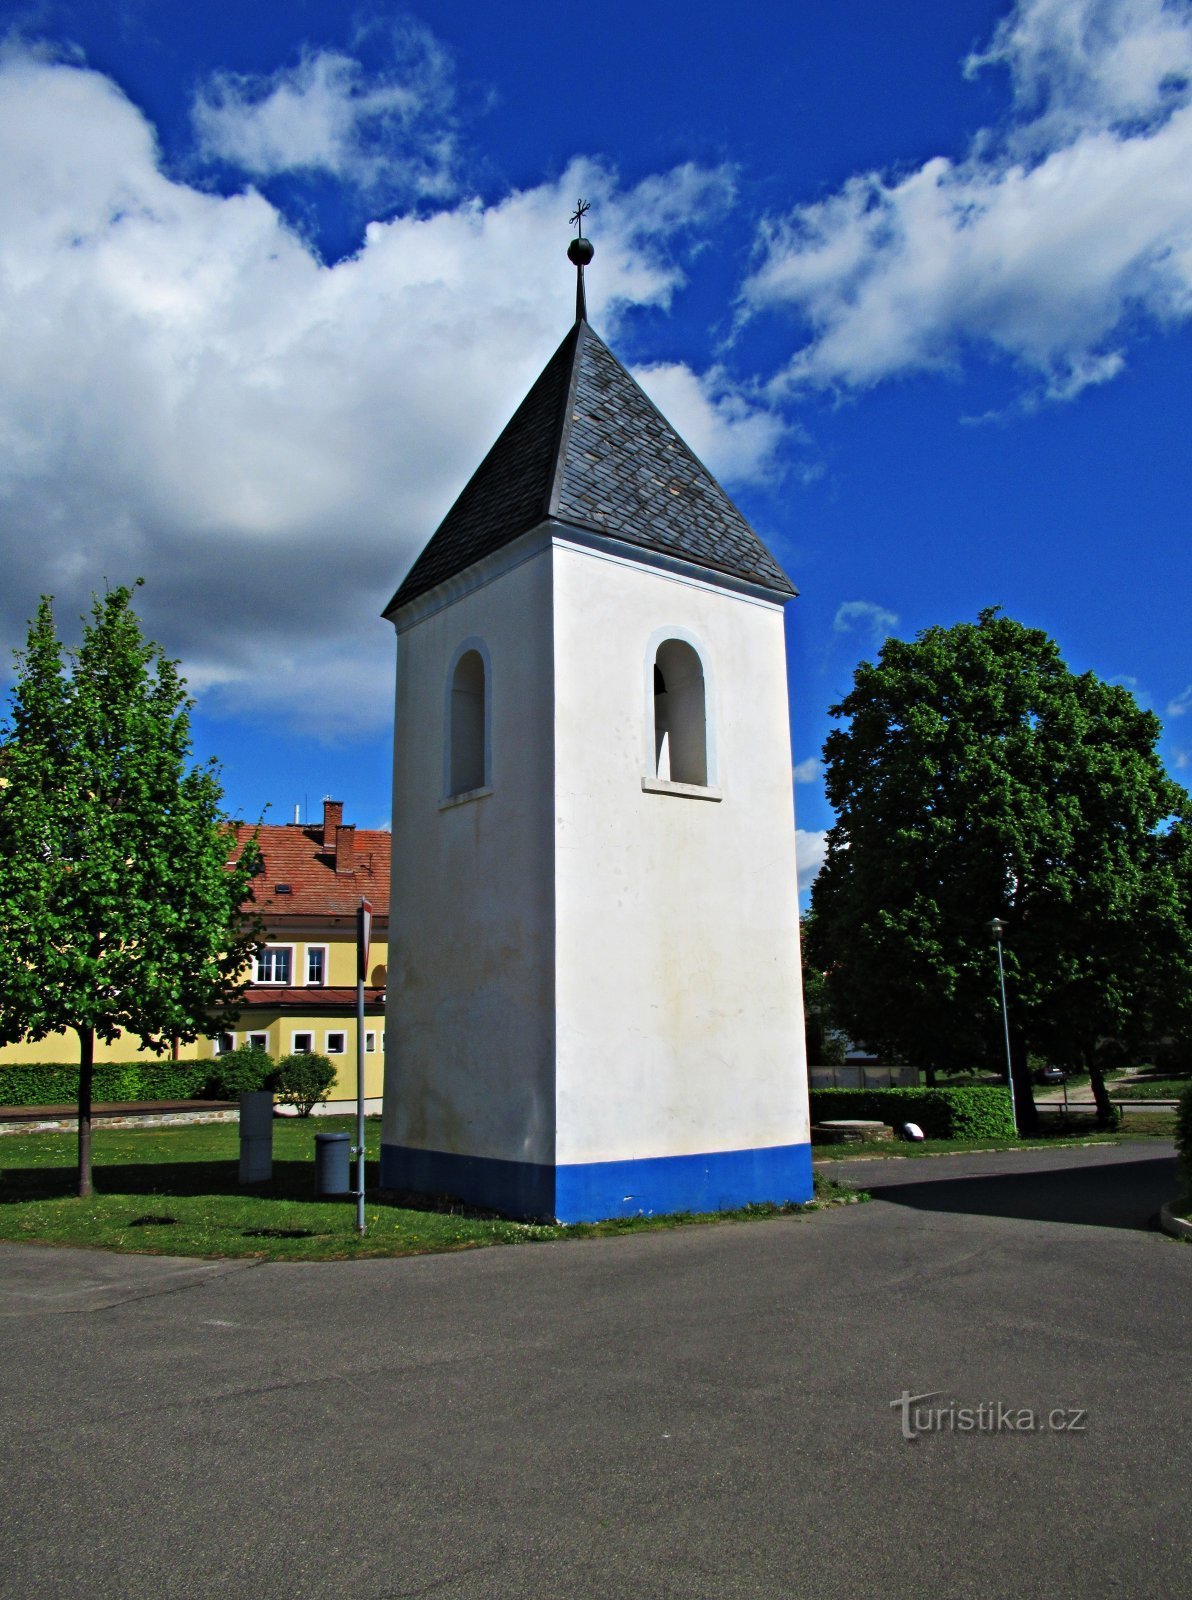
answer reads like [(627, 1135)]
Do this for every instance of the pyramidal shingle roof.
[(587, 448)]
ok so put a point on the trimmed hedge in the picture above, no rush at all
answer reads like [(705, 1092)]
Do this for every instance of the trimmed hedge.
[(980, 1112), (52, 1084), (238, 1072), (302, 1080)]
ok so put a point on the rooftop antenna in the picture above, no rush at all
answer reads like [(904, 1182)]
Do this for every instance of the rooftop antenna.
[(580, 252)]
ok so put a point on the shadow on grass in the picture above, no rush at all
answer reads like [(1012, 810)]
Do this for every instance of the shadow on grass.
[(292, 1180), (1125, 1194)]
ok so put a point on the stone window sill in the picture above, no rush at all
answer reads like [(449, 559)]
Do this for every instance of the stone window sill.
[(466, 798), (687, 791)]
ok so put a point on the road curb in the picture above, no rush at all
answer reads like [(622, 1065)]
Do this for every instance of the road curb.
[(1170, 1223)]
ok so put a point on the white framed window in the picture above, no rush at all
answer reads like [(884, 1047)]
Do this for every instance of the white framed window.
[(223, 1043), (370, 1043), (302, 1044), (316, 963), (382, 1041), (257, 1041), (336, 1044), (274, 963)]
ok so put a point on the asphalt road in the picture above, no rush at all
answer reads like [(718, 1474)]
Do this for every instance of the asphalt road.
[(699, 1413)]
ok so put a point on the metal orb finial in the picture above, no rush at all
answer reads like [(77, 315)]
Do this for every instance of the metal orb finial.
[(580, 252)]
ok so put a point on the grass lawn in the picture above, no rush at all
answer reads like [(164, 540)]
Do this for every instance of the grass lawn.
[(1141, 1125), (1148, 1088), (174, 1191)]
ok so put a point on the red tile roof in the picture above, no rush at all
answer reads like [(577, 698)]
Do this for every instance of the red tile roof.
[(294, 854), (312, 997)]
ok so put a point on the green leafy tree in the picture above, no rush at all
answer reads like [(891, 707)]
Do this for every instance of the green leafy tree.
[(978, 777), (118, 908), (826, 1044)]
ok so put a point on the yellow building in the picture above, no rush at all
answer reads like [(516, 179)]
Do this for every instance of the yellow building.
[(302, 994)]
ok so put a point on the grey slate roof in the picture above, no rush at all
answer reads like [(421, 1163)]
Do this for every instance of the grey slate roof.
[(587, 448)]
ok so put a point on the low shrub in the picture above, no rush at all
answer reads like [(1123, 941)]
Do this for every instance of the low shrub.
[(1183, 1137), (54, 1083), (977, 1112), (303, 1080), (239, 1072)]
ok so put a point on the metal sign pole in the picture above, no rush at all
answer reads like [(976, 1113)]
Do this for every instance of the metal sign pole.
[(363, 931), (1001, 972)]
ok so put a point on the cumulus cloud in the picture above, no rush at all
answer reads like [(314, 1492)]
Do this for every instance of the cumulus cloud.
[(810, 850), (808, 771), (389, 127), (1182, 703), (1041, 244), (864, 616), (728, 430), (189, 394)]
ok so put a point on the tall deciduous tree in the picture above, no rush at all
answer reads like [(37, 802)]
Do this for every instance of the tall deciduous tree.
[(118, 908), (978, 777)]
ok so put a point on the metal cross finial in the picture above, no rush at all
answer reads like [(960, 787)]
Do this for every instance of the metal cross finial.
[(577, 216)]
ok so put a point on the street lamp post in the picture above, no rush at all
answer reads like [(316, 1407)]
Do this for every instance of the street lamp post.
[(997, 927)]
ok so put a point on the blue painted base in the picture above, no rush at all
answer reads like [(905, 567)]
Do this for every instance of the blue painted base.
[(718, 1180)]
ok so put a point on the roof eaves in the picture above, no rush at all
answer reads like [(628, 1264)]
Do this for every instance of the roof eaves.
[(402, 602), (624, 545)]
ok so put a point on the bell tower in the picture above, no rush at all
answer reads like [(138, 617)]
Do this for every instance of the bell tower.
[(595, 1004)]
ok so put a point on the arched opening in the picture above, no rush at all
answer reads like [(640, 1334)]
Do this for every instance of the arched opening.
[(467, 724), (680, 722)]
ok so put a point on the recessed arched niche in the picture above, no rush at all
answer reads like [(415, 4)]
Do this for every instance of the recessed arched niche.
[(680, 714), (468, 716)]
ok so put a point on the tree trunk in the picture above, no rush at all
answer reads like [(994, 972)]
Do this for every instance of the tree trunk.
[(86, 1072), (1026, 1116), (1105, 1111)]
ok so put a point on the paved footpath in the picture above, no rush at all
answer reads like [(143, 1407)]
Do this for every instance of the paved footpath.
[(697, 1414)]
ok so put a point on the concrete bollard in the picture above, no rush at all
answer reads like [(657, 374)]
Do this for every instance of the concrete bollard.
[(256, 1136)]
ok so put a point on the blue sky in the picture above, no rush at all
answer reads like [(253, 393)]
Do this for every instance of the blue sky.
[(915, 280)]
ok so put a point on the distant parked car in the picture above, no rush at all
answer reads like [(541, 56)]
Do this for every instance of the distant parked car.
[(1050, 1075)]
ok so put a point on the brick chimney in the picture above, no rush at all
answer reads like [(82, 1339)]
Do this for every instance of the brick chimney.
[(333, 816), (345, 849)]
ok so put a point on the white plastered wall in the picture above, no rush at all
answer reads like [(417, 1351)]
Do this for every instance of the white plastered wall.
[(470, 1029), (679, 1021)]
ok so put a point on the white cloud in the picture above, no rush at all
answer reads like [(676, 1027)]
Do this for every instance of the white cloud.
[(808, 771), (864, 616), (810, 850), (329, 114), (1076, 63), (1041, 244), (1182, 703), (187, 393), (733, 436)]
